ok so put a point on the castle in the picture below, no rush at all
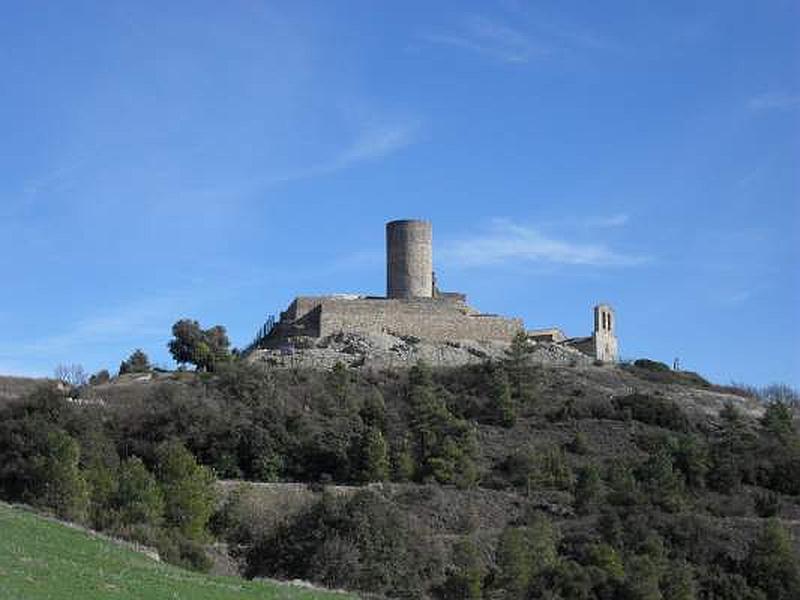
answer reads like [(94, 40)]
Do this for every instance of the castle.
[(415, 307)]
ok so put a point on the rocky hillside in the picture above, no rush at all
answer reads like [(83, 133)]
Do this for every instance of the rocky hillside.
[(386, 351)]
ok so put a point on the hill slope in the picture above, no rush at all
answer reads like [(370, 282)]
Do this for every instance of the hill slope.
[(43, 559)]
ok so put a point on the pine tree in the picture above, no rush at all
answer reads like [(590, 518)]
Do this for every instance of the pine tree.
[(587, 489), (138, 498), (61, 484), (188, 490), (502, 401), (374, 456)]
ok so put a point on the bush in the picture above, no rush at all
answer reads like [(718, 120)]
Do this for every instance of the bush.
[(360, 543), (651, 365), (652, 410)]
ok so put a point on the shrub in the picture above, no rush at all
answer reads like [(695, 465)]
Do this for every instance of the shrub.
[(652, 410), (651, 365)]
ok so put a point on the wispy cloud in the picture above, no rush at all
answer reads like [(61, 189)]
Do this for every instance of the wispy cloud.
[(489, 38), (774, 101), (373, 142), (507, 242), (617, 220)]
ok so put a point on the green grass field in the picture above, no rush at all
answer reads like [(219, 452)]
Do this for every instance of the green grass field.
[(44, 559)]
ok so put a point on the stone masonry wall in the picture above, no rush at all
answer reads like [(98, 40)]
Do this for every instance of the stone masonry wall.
[(421, 317)]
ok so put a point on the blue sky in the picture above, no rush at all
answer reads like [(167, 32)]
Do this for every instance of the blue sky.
[(214, 159)]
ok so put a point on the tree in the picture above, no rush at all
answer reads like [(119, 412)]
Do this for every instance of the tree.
[(444, 445), (465, 581), (551, 469), (517, 353), (402, 461), (71, 375), (187, 345), (137, 362), (678, 582), (518, 349), (778, 421), (138, 498), (373, 411), (60, 483), (374, 456), (338, 379), (188, 490), (661, 481), (101, 377), (500, 394), (514, 563), (772, 563), (643, 574), (587, 489), (192, 345), (523, 553), (218, 343)]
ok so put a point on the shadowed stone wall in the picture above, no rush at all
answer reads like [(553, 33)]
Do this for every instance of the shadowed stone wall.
[(426, 318)]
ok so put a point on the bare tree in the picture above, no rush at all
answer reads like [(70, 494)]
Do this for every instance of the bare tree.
[(71, 375)]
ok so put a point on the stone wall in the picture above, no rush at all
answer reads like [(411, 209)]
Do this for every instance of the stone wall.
[(426, 318)]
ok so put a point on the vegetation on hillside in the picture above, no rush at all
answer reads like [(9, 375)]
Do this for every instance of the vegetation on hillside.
[(501, 480)]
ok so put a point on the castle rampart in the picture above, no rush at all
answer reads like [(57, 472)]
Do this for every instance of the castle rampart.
[(427, 318)]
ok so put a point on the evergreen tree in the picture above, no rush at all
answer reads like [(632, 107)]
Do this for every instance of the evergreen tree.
[(678, 582), (587, 489), (137, 362), (402, 461), (443, 444), (773, 565), (662, 483), (465, 581), (778, 420), (138, 498), (523, 553), (192, 345), (500, 394), (60, 482), (188, 490), (374, 456)]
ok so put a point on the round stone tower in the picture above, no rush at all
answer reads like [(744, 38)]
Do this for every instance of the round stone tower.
[(409, 259)]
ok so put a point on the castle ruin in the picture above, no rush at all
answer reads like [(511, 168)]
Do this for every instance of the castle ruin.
[(414, 307)]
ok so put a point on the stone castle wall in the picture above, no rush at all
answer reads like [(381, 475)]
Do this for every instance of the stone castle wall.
[(426, 318)]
